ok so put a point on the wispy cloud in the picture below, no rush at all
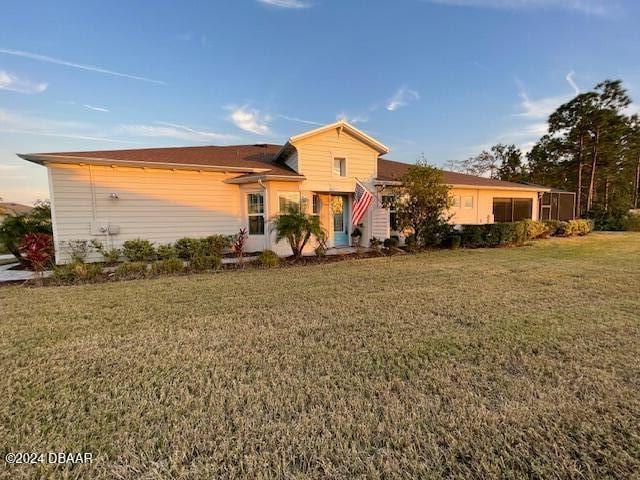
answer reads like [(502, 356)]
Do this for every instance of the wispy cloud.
[(21, 123), (589, 7), (174, 130), (13, 83), (541, 108), (403, 97), (359, 118), (90, 68), (572, 82), (96, 109), (190, 35), (295, 4), (299, 120), (84, 105), (250, 120)]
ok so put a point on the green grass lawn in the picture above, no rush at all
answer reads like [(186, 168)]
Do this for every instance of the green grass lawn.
[(512, 363)]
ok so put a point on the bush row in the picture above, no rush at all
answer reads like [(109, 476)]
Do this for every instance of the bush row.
[(186, 248), (80, 272), (516, 233)]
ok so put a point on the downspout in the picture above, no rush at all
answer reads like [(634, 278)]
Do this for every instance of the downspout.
[(93, 194)]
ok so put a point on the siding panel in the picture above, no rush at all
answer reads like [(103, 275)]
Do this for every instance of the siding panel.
[(155, 204)]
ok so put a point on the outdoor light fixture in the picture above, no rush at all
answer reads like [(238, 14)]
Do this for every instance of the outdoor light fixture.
[(113, 196)]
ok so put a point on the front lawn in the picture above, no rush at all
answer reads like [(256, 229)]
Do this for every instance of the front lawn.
[(514, 362)]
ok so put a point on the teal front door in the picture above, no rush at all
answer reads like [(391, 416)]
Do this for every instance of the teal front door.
[(340, 209)]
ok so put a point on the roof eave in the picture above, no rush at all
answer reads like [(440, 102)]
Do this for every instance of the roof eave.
[(265, 178), (44, 159), (474, 187)]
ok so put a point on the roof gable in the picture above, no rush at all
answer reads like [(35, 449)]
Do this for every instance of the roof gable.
[(343, 126)]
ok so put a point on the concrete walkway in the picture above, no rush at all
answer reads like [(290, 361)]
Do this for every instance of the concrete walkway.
[(7, 275), (7, 258)]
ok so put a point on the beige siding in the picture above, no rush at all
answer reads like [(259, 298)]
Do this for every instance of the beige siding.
[(315, 161), (482, 210), (155, 204)]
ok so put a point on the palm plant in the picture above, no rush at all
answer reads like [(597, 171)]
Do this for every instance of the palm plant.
[(297, 228)]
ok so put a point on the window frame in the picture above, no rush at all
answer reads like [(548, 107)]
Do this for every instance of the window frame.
[(393, 212), (512, 203), (316, 201), (343, 159), (456, 201), (256, 214), (463, 202)]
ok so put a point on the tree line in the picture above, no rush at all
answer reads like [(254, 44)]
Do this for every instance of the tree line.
[(592, 148)]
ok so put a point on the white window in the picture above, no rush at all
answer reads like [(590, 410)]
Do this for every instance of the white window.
[(455, 201), (340, 167), (288, 201), (467, 202), (389, 202), (255, 212)]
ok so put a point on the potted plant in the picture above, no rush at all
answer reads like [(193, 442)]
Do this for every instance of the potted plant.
[(356, 235)]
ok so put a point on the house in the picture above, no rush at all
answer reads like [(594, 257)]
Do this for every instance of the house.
[(162, 194), (10, 209)]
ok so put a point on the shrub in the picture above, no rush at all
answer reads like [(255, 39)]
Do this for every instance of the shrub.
[(473, 236), (391, 242), (14, 228), (131, 270), (520, 232), (268, 258), (632, 222), (77, 272), (165, 252), (187, 248), (203, 263), (138, 250), (375, 244), (494, 234), (575, 227), (110, 255), (78, 250), (321, 250), (537, 229), (37, 250), (216, 244), (554, 226), (167, 266), (411, 243), (455, 241)]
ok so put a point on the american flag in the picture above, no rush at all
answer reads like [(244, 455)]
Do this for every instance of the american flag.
[(361, 201)]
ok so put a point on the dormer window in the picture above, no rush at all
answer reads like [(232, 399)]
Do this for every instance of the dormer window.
[(340, 167)]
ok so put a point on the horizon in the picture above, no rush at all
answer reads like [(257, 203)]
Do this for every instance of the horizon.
[(446, 79)]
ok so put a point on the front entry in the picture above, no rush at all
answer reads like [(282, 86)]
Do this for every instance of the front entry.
[(340, 210)]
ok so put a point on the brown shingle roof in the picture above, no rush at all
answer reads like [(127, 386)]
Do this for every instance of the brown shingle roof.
[(250, 156), (13, 209), (391, 170), (260, 156)]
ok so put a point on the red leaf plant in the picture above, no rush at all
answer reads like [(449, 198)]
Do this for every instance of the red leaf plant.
[(37, 248)]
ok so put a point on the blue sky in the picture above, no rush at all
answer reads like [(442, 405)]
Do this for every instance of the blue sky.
[(446, 78)]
